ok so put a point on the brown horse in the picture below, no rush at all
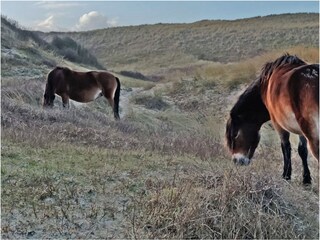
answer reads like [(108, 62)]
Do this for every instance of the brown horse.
[(82, 87), (287, 93)]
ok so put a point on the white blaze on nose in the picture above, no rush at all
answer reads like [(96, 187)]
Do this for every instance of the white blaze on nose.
[(241, 159)]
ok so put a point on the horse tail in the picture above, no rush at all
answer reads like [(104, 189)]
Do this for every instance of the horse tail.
[(116, 100)]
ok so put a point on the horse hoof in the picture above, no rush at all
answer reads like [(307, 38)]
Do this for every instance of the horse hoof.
[(287, 178), (306, 181)]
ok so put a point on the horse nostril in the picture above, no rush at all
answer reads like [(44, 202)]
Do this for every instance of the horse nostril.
[(242, 161), (239, 161)]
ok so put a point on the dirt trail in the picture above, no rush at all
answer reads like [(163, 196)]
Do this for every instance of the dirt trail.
[(126, 94)]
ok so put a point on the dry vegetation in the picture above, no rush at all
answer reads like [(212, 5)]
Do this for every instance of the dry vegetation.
[(162, 171), (150, 47)]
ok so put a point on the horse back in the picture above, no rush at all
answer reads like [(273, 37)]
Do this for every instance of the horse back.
[(304, 84), (304, 92), (105, 80)]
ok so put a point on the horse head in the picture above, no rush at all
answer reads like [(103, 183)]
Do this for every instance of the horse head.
[(48, 100), (242, 138)]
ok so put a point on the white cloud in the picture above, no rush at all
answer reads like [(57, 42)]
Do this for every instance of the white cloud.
[(47, 25), (89, 21), (49, 5), (94, 20)]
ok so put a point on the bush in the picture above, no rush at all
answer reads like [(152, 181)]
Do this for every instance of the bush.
[(151, 102), (74, 52), (134, 74)]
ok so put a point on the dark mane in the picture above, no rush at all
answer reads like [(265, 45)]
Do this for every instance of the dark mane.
[(248, 99), (66, 70), (285, 59), (246, 109)]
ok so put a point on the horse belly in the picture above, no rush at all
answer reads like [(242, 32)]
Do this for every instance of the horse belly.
[(289, 122), (86, 96), (279, 106), (94, 94), (284, 117)]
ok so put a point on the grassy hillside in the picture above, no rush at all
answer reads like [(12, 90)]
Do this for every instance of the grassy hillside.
[(163, 170), (167, 45), (29, 43)]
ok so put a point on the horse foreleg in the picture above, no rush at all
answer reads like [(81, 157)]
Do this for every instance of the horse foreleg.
[(286, 150), (65, 101), (303, 153)]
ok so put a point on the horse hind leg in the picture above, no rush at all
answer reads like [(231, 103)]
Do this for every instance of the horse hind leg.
[(303, 153), (314, 147), (112, 103), (114, 108), (311, 132), (113, 98)]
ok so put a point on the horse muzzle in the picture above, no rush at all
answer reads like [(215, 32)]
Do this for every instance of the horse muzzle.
[(46, 105), (240, 159)]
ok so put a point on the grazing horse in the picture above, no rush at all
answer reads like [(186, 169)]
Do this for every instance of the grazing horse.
[(82, 87), (287, 93)]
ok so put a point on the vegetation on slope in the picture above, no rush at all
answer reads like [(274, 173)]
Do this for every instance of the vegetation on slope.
[(74, 52), (29, 43), (167, 45)]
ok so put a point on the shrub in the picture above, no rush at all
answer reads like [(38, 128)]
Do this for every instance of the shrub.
[(151, 102), (134, 74), (73, 51)]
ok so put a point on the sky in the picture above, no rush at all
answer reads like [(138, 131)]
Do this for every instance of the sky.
[(87, 15)]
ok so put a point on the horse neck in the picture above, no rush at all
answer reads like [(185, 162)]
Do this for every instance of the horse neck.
[(250, 105)]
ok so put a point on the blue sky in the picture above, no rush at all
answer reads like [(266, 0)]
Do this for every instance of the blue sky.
[(85, 15)]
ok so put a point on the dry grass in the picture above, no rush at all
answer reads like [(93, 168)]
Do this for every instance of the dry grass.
[(164, 187), (197, 79), (142, 48), (233, 74), (221, 203)]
